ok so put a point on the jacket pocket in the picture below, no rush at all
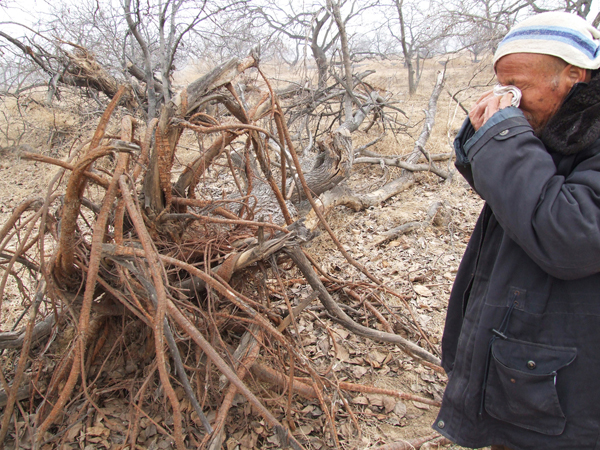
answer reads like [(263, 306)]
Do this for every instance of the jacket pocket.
[(521, 384)]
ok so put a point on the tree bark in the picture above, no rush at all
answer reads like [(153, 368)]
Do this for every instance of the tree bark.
[(157, 184), (412, 88), (319, 52), (79, 69), (334, 6), (148, 75), (344, 196)]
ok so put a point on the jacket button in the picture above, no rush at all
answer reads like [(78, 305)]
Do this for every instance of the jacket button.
[(531, 365), (503, 133), (441, 424)]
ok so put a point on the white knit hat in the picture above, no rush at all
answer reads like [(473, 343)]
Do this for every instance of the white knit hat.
[(560, 34)]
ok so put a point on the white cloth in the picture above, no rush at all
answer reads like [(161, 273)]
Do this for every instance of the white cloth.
[(566, 36), (500, 90)]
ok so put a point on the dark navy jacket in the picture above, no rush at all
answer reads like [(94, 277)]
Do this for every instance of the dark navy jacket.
[(521, 344)]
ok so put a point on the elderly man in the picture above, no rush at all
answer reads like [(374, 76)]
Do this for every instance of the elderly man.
[(521, 344)]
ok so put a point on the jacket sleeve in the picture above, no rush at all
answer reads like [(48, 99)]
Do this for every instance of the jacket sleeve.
[(462, 163), (554, 218)]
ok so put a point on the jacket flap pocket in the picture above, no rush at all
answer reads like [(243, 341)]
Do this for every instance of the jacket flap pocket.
[(536, 359)]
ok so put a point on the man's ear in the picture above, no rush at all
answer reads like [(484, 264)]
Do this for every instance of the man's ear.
[(577, 74)]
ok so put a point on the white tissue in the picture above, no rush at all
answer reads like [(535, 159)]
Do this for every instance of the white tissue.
[(500, 90)]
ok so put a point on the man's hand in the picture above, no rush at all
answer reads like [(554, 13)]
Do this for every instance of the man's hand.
[(486, 106)]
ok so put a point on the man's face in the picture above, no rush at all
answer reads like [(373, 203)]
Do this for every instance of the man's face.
[(543, 80)]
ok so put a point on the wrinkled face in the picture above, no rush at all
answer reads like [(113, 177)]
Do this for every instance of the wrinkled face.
[(544, 81)]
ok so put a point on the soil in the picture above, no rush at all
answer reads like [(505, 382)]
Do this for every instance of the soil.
[(420, 265)]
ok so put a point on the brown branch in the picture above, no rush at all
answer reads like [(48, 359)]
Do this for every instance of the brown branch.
[(340, 316), (88, 295), (12, 395), (244, 356), (63, 265), (272, 376), (184, 105), (16, 339), (193, 332), (382, 320), (24, 245), (391, 392), (161, 309), (32, 203), (65, 165), (198, 167), (316, 209), (206, 219), (142, 161), (209, 350)]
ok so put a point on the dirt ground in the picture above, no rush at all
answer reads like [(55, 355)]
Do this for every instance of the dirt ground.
[(421, 265)]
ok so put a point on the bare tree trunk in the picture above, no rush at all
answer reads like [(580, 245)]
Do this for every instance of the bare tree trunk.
[(412, 88), (336, 157), (157, 184), (319, 53), (335, 8), (343, 196), (152, 101)]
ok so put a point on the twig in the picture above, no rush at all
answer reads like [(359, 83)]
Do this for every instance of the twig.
[(88, 296), (65, 165), (245, 355), (233, 378), (340, 316), (161, 309), (12, 395), (375, 390), (14, 339)]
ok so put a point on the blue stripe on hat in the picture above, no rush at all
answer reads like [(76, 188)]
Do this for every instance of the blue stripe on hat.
[(560, 34)]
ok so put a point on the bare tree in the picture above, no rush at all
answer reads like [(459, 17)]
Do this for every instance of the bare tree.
[(99, 45), (481, 24), (169, 23), (418, 27), (312, 26)]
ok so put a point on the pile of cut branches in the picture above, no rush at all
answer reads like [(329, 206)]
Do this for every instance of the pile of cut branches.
[(191, 292)]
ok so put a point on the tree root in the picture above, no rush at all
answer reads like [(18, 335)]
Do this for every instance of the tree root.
[(194, 281)]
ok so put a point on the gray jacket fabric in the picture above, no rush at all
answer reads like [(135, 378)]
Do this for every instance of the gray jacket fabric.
[(521, 344)]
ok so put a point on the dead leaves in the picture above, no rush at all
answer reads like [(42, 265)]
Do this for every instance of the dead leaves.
[(379, 403), (422, 290)]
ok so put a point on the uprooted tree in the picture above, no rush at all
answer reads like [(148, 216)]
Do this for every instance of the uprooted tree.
[(193, 271), (125, 251)]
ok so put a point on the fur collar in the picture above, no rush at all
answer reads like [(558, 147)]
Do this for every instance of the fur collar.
[(576, 125)]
